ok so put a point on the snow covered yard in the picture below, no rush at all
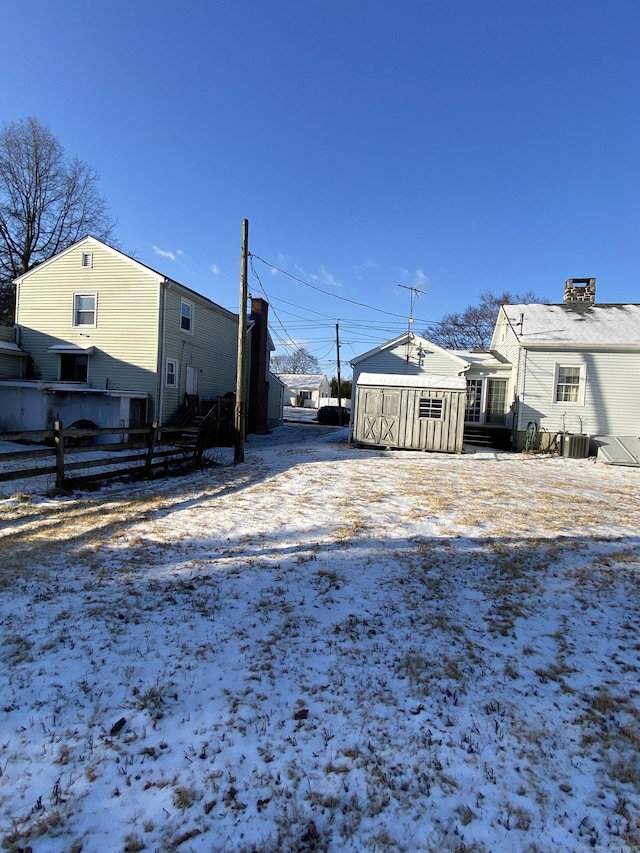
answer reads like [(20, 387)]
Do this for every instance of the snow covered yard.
[(325, 649)]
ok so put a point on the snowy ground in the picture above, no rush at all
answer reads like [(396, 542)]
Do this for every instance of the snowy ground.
[(325, 649)]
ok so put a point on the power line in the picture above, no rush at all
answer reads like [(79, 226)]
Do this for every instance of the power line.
[(328, 293)]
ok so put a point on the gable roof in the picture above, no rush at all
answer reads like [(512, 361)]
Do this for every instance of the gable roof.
[(486, 358), (303, 381), (90, 242), (578, 324), (408, 338)]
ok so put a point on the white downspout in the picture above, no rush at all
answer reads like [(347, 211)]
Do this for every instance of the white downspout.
[(165, 286)]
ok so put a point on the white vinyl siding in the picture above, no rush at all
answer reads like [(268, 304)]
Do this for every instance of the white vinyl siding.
[(85, 306), (126, 335), (414, 359), (609, 406), (212, 348), (186, 316), (569, 384)]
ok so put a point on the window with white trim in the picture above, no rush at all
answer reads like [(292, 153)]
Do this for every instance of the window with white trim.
[(84, 309), (171, 374), (569, 384), (474, 401), (431, 407), (186, 316)]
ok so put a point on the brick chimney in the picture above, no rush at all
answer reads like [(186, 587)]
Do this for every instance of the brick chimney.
[(580, 290), (258, 408)]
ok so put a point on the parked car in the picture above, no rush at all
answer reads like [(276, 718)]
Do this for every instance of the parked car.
[(331, 415)]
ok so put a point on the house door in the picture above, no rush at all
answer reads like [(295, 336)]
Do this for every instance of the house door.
[(192, 380), (496, 401), (137, 412), (474, 401)]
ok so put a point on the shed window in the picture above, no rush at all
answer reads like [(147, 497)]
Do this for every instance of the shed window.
[(84, 309), (569, 384), (431, 407)]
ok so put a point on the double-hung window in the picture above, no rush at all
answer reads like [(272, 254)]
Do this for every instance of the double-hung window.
[(84, 309), (569, 384), (171, 375), (186, 316)]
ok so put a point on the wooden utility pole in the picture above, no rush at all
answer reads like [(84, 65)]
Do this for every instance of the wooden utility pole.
[(241, 385), (338, 366)]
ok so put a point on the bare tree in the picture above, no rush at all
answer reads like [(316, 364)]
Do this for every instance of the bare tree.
[(47, 202), (473, 327), (299, 361)]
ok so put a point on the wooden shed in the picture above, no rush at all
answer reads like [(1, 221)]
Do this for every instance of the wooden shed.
[(423, 412)]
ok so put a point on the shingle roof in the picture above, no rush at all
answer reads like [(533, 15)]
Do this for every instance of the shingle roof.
[(302, 381), (576, 323)]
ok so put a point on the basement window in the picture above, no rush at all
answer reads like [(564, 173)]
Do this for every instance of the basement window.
[(431, 407)]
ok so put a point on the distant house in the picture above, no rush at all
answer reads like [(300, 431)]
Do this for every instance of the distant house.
[(102, 337), (308, 390), (575, 365)]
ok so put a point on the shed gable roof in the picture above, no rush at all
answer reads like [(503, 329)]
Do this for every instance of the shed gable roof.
[(420, 380)]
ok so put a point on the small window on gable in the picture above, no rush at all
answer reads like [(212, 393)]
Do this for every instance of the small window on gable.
[(84, 309), (186, 316), (87, 259), (171, 376), (431, 407)]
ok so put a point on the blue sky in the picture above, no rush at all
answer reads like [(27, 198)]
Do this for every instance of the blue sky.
[(457, 145)]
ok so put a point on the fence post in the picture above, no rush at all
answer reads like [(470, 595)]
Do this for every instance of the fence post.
[(58, 435), (153, 437)]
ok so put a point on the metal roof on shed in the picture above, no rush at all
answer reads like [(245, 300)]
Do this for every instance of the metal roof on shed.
[(423, 380)]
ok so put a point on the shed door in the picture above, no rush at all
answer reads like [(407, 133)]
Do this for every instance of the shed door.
[(380, 417)]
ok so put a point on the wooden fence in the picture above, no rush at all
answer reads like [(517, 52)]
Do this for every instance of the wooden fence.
[(145, 451)]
